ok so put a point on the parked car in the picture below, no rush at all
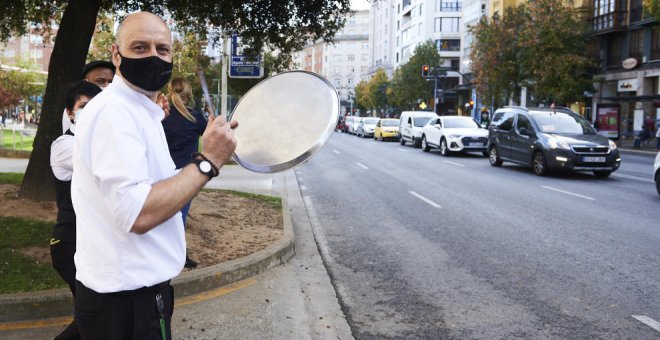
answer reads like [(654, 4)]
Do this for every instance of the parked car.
[(366, 127), (656, 172), (387, 128), (348, 123), (410, 126), (549, 139), (454, 134), (353, 128)]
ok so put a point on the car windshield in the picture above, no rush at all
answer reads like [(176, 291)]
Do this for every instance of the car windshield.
[(458, 123), (370, 121), (421, 121), (389, 122), (561, 122)]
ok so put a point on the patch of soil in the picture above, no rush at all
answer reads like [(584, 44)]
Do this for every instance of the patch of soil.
[(221, 226)]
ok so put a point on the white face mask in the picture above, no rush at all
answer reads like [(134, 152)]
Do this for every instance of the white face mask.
[(76, 115)]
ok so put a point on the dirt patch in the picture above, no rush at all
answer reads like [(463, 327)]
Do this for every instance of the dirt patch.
[(221, 226)]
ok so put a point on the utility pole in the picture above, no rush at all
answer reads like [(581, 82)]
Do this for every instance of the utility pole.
[(225, 62)]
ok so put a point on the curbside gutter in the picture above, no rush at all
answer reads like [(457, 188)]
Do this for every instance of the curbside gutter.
[(58, 302)]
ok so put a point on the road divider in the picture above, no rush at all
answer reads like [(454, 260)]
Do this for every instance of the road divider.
[(428, 201), (454, 163), (648, 321), (636, 178), (363, 166), (568, 193)]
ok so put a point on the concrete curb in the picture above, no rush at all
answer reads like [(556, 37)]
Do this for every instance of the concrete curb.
[(58, 302)]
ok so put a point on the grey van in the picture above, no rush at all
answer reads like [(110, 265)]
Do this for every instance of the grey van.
[(547, 139)]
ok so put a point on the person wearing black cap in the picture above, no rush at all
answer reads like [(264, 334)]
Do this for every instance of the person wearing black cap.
[(63, 241), (99, 72)]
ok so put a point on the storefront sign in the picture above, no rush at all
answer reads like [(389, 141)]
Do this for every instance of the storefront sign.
[(607, 121), (627, 85), (629, 63)]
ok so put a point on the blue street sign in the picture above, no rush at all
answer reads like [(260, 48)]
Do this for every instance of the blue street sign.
[(242, 67)]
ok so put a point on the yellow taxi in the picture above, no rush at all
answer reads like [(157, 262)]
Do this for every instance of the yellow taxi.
[(387, 128)]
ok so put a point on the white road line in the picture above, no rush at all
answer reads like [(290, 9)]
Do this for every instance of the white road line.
[(402, 149), (335, 151), (648, 321), (568, 193), (362, 166), (454, 163), (431, 203), (636, 178)]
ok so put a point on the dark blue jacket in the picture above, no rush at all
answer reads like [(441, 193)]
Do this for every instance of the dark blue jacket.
[(183, 135)]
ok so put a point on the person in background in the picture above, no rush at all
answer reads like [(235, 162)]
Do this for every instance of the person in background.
[(183, 127), (99, 72), (127, 194), (63, 241)]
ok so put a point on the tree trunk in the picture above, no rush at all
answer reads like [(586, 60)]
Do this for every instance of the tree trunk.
[(69, 54)]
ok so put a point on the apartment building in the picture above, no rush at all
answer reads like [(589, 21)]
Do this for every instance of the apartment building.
[(32, 47)]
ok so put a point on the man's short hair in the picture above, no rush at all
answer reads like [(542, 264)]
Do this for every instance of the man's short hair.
[(96, 64), (80, 88)]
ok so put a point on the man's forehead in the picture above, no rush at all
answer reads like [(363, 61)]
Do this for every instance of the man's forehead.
[(144, 27)]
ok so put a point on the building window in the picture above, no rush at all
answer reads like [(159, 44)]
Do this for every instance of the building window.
[(448, 6), (336, 58), (603, 14), (636, 45), (350, 57), (655, 44), (365, 57), (447, 25), (614, 51), (448, 45)]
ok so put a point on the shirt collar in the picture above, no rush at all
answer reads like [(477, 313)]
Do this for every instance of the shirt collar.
[(154, 110)]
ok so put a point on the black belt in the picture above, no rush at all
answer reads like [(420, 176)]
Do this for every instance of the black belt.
[(135, 292)]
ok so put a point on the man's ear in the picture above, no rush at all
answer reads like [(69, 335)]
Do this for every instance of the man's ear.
[(116, 58)]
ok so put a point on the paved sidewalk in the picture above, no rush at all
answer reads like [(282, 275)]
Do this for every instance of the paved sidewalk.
[(295, 300)]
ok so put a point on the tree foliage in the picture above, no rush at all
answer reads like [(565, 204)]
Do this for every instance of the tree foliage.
[(102, 39), (284, 26), (20, 81), (408, 85), (651, 9), (539, 45), (377, 91), (362, 95)]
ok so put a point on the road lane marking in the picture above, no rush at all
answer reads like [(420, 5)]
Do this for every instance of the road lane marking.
[(335, 151), (648, 321), (454, 163), (402, 149), (431, 203), (362, 166), (568, 193), (178, 302), (636, 178)]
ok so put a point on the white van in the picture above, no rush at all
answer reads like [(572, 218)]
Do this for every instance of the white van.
[(410, 126)]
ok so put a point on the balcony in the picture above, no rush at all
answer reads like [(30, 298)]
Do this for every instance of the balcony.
[(609, 22)]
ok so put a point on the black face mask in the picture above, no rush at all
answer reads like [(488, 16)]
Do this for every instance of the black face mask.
[(150, 73)]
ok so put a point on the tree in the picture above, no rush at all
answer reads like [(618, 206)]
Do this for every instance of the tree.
[(407, 83), (651, 9), (21, 81), (102, 39), (362, 95), (377, 90), (284, 26)]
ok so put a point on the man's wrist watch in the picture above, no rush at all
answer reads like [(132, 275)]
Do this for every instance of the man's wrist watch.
[(204, 165)]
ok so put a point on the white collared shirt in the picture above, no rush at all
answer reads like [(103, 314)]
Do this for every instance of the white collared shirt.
[(119, 152), (60, 156)]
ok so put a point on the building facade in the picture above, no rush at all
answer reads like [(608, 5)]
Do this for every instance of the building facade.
[(626, 44), (33, 47), (343, 63)]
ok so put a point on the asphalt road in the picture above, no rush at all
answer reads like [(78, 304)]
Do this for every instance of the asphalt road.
[(420, 246)]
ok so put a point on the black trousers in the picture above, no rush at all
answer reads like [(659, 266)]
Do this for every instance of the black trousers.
[(61, 253), (124, 315)]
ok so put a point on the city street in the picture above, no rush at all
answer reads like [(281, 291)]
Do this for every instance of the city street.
[(423, 246)]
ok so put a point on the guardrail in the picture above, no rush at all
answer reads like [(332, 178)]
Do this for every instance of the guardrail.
[(16, 137)]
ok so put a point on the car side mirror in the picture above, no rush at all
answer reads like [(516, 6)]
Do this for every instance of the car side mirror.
[(437, 125), (524, 131)]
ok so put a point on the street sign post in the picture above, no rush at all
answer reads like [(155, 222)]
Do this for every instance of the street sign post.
[(242, 67)]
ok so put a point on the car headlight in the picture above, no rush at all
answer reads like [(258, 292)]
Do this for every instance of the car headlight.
[(454, 136), (556, 143), (613, 145)]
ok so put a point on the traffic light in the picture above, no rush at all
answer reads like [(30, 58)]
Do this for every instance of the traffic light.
[(425, 71)]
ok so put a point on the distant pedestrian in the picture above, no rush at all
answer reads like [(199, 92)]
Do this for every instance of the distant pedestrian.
[(183, 127), (63, 241)]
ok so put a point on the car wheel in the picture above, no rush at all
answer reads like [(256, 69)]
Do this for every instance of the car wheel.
[(602, 174), (444, 150), (425, 145), (539, 164), (657, 182), (493, 157), (403, 142)]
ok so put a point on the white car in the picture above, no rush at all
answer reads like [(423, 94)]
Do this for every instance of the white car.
[(366, 127), (656, 172), (454, 134), (352, 129)]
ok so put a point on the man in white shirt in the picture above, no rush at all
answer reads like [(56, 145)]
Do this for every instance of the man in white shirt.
[(63, 241), (127, 194), (99, 72)]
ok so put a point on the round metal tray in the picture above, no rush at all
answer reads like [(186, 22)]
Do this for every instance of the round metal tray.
[(284, 120)]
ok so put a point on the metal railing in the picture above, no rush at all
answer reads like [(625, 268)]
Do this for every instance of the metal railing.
[(16, 137)]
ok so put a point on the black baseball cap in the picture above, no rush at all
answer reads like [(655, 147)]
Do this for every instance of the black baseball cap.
[(96, 64)]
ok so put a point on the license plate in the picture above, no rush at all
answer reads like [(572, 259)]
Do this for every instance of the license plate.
[(476, 144), (593, 159)]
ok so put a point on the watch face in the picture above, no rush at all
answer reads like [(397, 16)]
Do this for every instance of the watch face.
[(205, 166)]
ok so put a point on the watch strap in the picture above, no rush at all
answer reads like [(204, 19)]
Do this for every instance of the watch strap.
[(198, 158)]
